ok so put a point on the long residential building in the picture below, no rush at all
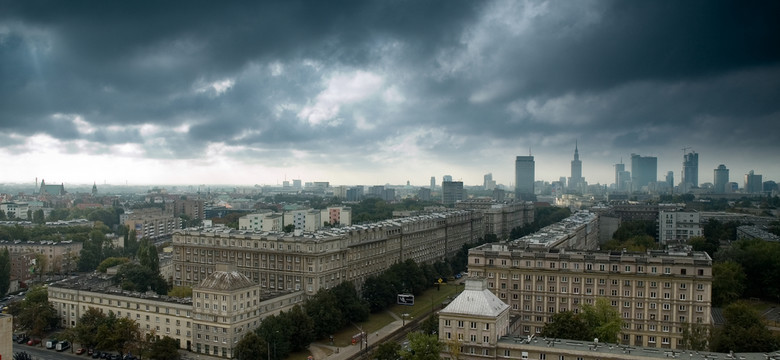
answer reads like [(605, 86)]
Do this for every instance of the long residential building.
[(657, 293), (224, 306), (500, 218), (311, 261)]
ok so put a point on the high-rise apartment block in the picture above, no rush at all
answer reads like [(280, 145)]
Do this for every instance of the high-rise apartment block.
[(451, 192), (524, 177), (193, 208), (151, 222), (644, 171), (721, 179), (678, 226), (753, 183)]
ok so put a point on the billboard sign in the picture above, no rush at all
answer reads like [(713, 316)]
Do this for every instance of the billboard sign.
[(405, 299)]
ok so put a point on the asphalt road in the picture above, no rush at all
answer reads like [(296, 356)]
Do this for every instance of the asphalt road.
[(42, 353)]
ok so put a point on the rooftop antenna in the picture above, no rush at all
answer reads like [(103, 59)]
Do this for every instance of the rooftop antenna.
[(529, 151)]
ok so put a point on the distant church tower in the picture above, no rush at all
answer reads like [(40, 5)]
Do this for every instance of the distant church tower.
[(94, 189), (576, 181)]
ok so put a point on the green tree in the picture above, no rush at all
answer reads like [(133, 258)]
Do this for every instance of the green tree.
[(695, 336), (180, 292), (430, 325), (323, 309), (35, 314), (87, 327), (350, 304), (388, 351), (568, 325), (251, 347), (728, 282), (603, 320), (111, 262), (134, 277), (147, 255), (302, 328), (39, 217), (289, 228), (743, 332), (5, 271), (166, 348), (422, 347)]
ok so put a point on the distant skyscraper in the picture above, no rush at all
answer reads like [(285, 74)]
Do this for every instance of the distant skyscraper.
[(488, 183), (721, 179), (690, 172), (576, 181), (433, 183), (424, 194), (524, 177), (622, 177), (753, 183), (451, 192), (446, 178), (670, 180), (644, 171)]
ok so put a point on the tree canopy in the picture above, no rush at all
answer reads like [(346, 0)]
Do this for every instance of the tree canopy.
[(744, 331)]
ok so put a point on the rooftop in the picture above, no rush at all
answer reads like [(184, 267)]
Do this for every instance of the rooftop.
[(476, 300)]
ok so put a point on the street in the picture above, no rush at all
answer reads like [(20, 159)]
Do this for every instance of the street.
[(42, 353)]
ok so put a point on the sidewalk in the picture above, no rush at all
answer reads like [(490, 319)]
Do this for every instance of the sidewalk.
[(327, 352)]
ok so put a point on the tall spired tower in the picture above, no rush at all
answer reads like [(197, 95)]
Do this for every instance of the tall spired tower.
[(576, 181)]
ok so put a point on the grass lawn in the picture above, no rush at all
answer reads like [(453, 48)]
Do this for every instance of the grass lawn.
[(377, 321)]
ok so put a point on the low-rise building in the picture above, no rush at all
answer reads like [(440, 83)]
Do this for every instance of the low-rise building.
[(500, 217)]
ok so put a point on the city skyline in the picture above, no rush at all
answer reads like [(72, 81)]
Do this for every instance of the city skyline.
[(376, 92)]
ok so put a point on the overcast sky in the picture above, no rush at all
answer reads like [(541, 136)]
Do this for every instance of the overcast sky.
[(374, 92)]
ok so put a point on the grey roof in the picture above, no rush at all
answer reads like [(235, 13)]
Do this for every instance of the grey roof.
[(476, 302), (226, 281)]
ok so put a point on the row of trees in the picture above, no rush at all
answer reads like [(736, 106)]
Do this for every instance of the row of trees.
[(406, 277), (325, 313), (636, 235)]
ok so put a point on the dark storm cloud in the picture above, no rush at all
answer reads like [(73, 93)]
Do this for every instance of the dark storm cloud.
[(627, 75)]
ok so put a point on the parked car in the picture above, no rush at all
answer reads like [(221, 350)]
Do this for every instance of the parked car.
[(90, 351), (81, 351), (51, 343), (96, 355), (22, 338), (62, 346), (33, 342)]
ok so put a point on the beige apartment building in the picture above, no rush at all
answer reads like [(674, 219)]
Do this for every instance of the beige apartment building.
[(187, 320), (60, 255), (311, 261), (152, 222), (657, 293), (500, 218)]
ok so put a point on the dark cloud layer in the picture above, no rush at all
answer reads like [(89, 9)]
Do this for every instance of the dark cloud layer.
[(353, 76)]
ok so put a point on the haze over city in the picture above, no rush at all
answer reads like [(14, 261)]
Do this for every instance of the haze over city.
[(358, 92)]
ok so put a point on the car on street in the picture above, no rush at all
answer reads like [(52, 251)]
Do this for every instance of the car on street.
[(81, 351), (32, 342), (96, 355)]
